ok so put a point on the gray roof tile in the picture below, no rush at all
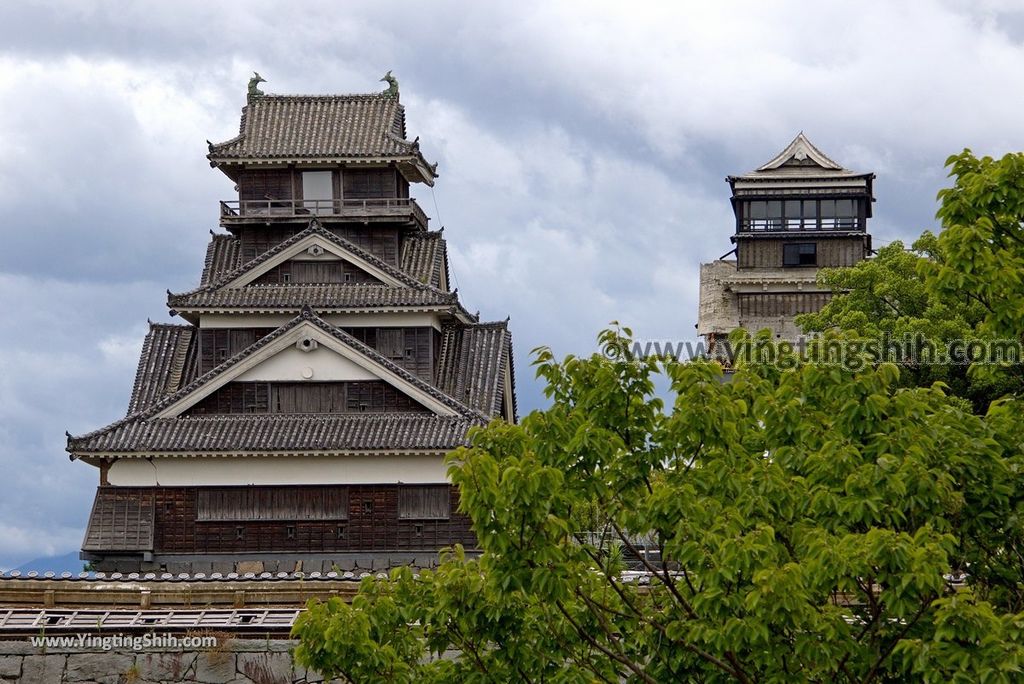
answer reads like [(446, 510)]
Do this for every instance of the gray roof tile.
[(325, 298), (161, 400), (164, 365), (472, 364), (425, 258), (282, 433), (223, 255), (320, 127)]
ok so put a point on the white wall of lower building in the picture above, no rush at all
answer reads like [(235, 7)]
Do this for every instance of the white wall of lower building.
[(183, 471)]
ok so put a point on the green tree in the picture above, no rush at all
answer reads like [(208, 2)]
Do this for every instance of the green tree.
[(981, 247), (887, 297), (794, 525), (964, 283), (800, 522)]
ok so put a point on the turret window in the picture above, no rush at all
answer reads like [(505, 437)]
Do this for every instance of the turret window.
[(799, 215), (800, 254)]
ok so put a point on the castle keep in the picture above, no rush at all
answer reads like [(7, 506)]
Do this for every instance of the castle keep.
[(299, 416)]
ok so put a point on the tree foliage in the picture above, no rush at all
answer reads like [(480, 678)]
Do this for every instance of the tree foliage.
[(806, 525), (799, 522), (964, 283)]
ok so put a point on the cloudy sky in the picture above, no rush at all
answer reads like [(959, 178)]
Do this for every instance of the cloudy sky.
[(582, 150)]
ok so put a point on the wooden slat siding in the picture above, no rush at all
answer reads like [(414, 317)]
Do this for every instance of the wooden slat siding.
[(318, 272), (369, 183), (220, 344), (382, 242), (177, 529), (244, 504), (410, 348), (782, 304), (832, 252), (268, 184), (121, 520), (424, 502), (370, 396)]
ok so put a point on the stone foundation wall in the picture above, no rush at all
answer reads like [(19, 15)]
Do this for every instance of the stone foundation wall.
[(232, 661)]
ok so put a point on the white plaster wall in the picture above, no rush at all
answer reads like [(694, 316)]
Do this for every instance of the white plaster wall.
[(319, 365), (183, 471)]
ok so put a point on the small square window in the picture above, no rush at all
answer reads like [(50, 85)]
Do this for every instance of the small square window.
[(289, 532), (800, 254), (367, 507), (341, 532), (239, 533)]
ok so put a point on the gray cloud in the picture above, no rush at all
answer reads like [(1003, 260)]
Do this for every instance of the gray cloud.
[(582, 150)]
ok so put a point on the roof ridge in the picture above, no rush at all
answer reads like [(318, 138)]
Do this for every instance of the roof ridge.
[(327, 96), (156, 324)]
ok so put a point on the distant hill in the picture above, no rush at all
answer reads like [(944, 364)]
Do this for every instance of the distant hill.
[(69, 562)]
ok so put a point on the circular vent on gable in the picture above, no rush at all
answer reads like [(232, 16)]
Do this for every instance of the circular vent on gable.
[(315, 250), (306, 344)]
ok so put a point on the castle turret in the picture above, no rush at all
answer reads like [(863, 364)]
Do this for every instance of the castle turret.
[(795, 214)]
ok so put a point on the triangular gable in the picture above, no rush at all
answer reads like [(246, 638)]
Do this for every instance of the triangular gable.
[(314, 236), (800, 152), (307, 331), (317, 248)]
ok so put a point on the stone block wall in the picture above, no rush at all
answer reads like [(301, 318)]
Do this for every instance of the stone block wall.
[(232, 661)]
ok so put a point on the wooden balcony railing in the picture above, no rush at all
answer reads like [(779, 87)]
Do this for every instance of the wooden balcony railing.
[(381, 208)]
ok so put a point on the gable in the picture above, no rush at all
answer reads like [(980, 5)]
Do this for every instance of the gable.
[(316, 252), (801, 152), (306, 350), (323, 271), (293, 365)]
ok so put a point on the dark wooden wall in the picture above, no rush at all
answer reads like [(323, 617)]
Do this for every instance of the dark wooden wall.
[(286, 184), (411, 348), (378, 518), (767, 253), (788, 304), (216, 345), (365, 396), (263, 185)]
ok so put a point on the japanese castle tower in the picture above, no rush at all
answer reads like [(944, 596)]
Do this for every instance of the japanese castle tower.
[(299, 417), (797, 213)]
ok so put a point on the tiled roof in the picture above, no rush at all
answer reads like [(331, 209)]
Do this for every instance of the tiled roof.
[(321, 127), (801, 159), (218, 274), (316, 229), (223, 255), (325, 298), (472, 364), (425, 258), (281, 433), (164, 365), (160, 402)]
